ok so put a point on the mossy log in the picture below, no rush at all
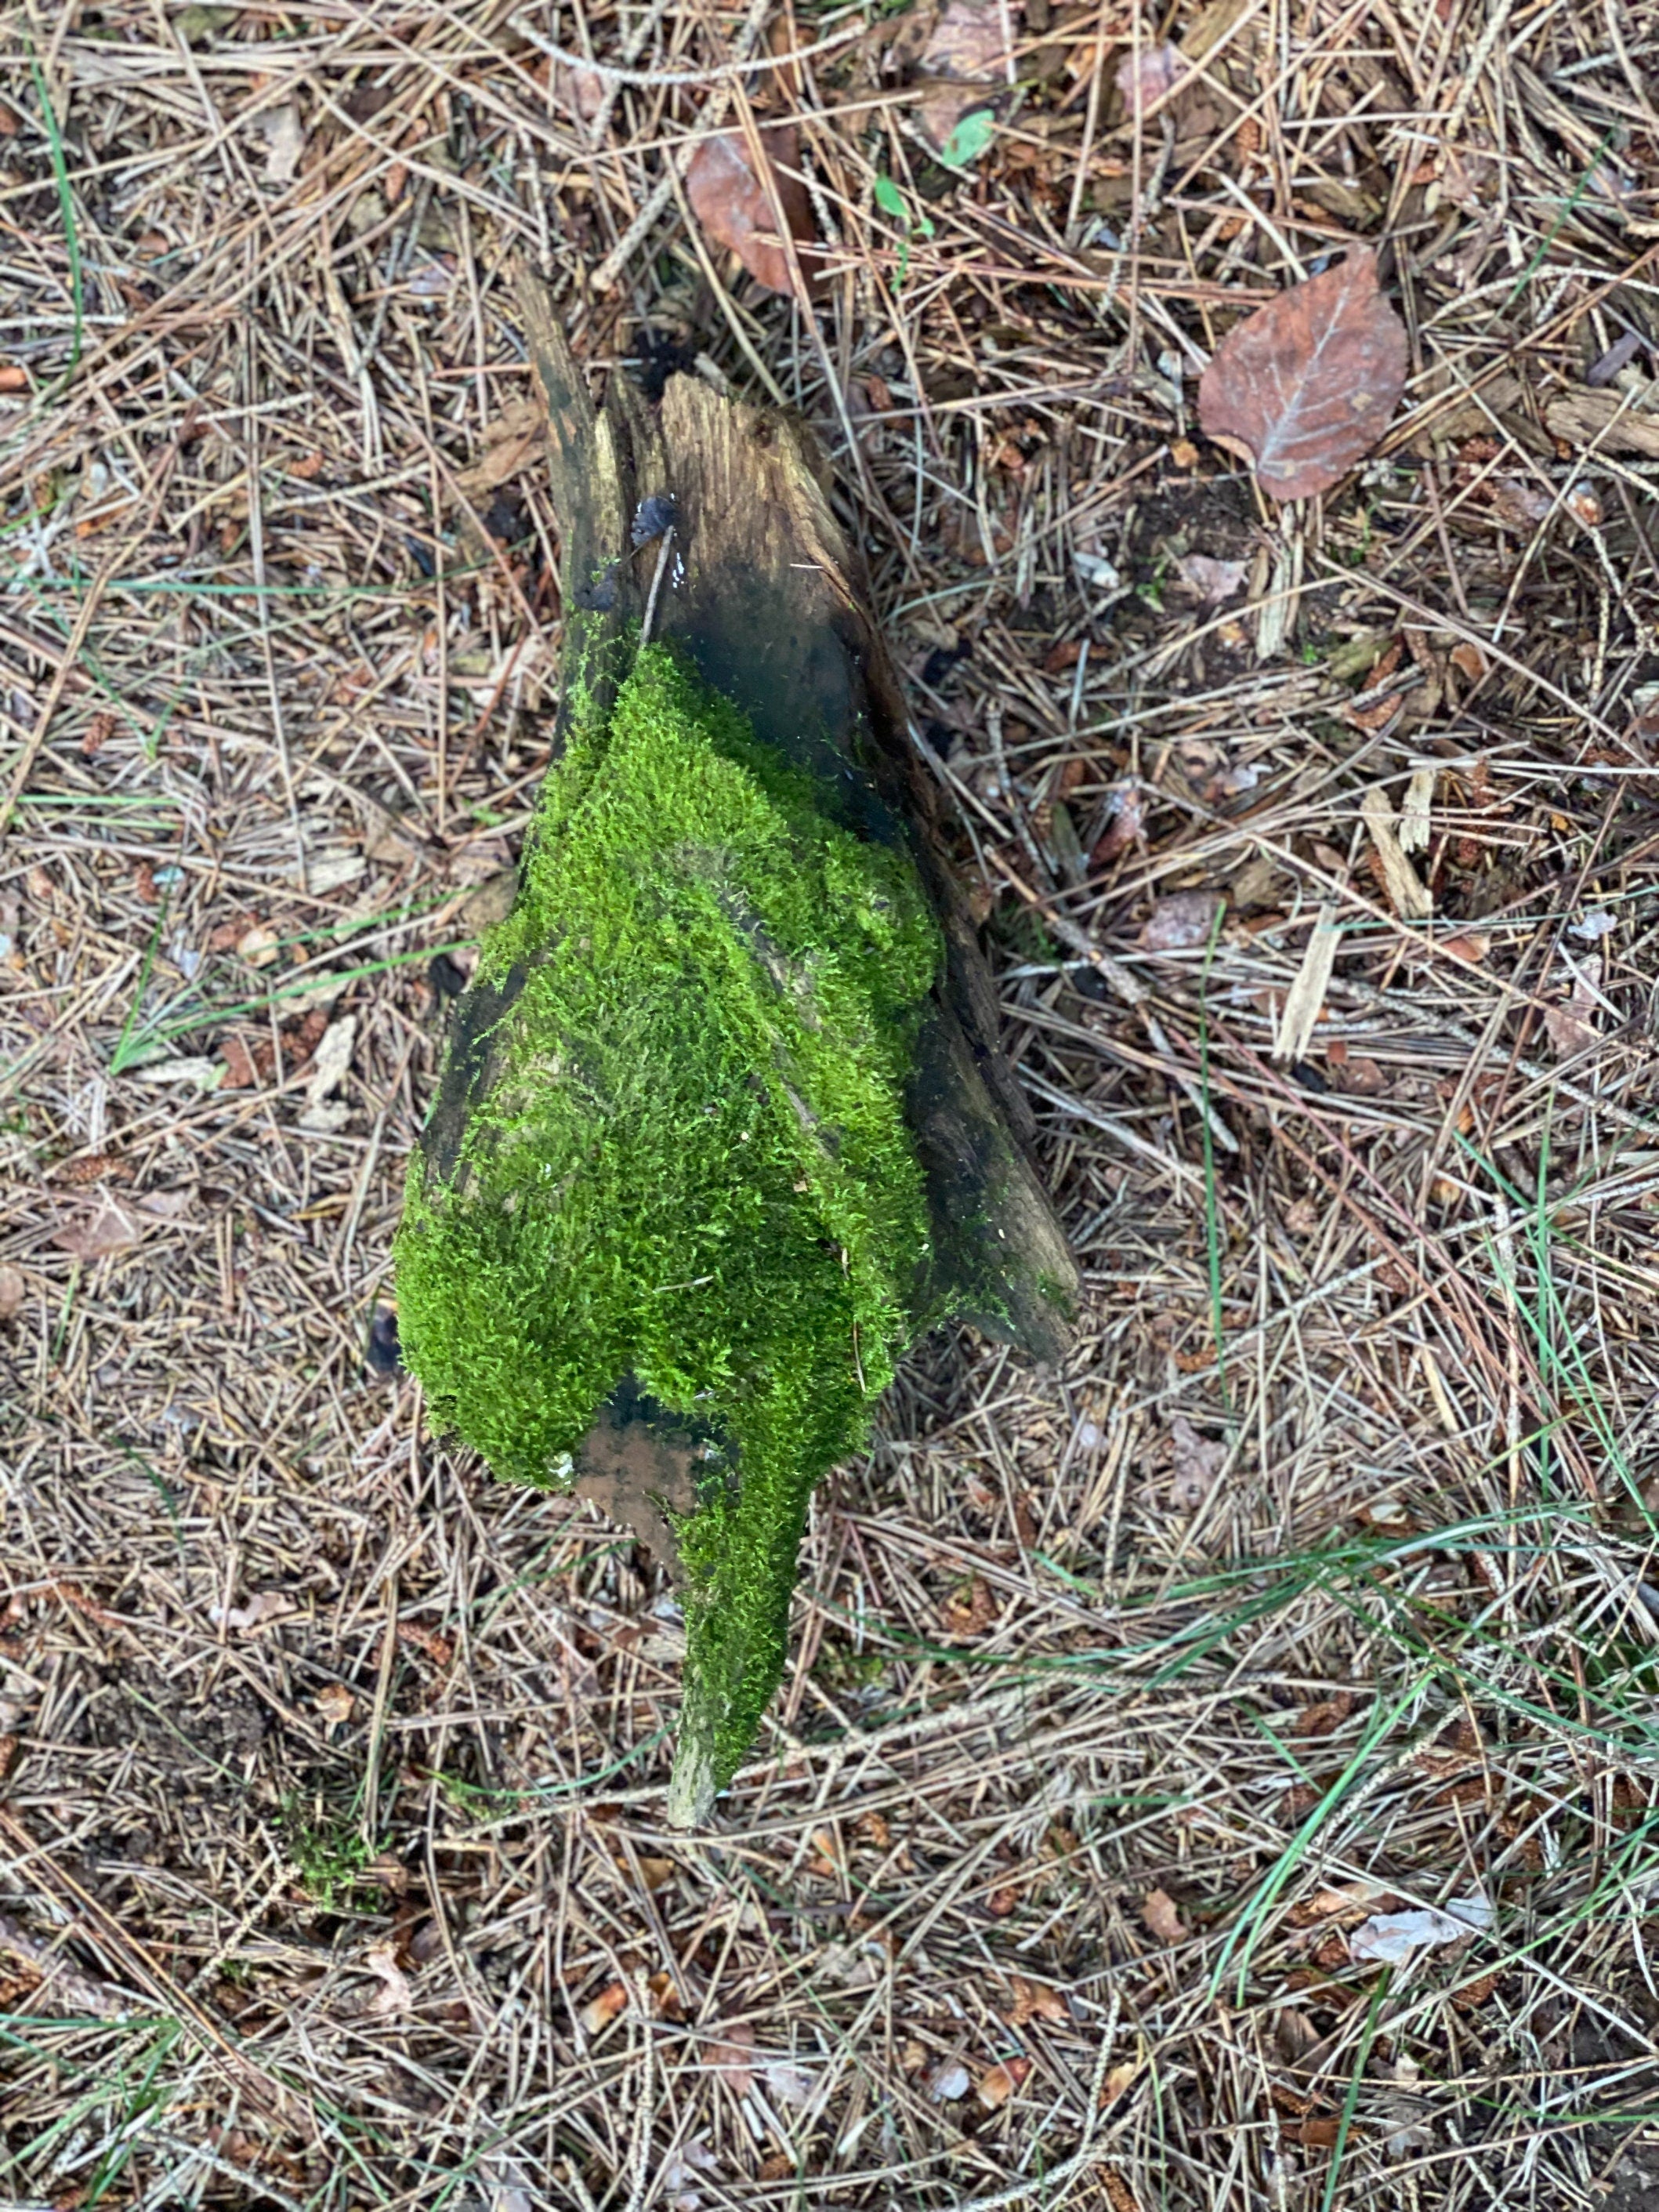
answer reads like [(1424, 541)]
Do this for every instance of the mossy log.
[(724, 1125)]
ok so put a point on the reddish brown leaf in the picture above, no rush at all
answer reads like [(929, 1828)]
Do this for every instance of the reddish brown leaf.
[(998, 2083), (1304, 387), (732, 202)]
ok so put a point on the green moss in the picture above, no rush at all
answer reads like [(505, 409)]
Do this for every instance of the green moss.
[(691, 1165)]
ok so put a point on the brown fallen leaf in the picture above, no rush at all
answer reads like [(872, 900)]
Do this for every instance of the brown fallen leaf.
[(1033, 2001), (12, 1290), (1180, 923), (439, 1649), (94, 1167), (1118, 2194), (998, 2083), (336, 1704), (1327, 1716), (969, 1611), (732, 203), (598, 2012), (1571, 1026), (967, 55), (732, 2054), (110, 1227), (1162, 1917), (512, 441), (1214, 580), (1304, 387)]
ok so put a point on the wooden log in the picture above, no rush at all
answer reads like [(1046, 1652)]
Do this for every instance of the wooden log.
[(709, 521)]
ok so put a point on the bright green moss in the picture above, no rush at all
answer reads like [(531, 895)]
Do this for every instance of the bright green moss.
[(692, 1164)]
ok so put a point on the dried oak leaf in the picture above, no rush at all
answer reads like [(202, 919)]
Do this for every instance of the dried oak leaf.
[(1304, 387), (730, 199)]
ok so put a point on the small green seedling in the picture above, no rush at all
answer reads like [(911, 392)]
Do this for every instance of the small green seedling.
[(891, 202), (970, 139)]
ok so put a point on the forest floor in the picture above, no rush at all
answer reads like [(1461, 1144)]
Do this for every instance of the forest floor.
[(1220, 1774)]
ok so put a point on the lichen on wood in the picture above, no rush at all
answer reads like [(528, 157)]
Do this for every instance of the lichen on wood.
[(691, 1171)]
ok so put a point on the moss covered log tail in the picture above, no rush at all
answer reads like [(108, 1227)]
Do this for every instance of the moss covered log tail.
[(679, 1159)]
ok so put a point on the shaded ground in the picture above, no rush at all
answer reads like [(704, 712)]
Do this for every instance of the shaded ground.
[(1316, 1589)]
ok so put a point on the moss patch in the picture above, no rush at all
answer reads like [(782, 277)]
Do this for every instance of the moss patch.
[(691, 1166)]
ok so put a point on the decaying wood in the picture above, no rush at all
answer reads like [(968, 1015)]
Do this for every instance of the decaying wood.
[(763, 592)]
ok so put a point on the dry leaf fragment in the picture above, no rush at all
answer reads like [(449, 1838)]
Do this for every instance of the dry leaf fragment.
[(732, 202), (1162, 1917), (1197, 1461), (969, 1611), (394, 1995), (110, 1227), (331, 1062), (265, 1605), (1571, 1026), (205, 1074), (1407, 892), (512, 442), (258, 946), (732, 2053), (1180, 923), (1390, 1939), (336, 1704), (969, 49), (1520, 507), (285, 142), (1304, 387), (12, 1292), (1034, 2001), (1214, 580), (1306, 998), (1150, 76), (998, 2083), (598, 2012)]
